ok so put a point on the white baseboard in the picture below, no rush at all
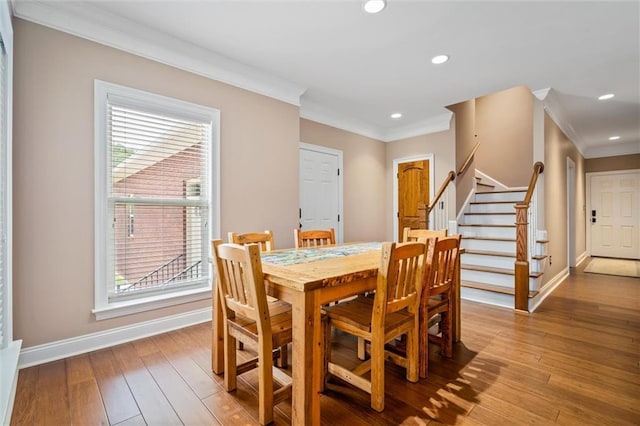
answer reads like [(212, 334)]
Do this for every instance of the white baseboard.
[(581, 258), (491, 181), (465, 206), (547, 289), (60, 349), (8, 379)]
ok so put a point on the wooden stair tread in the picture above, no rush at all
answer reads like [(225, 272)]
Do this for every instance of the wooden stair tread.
[(510, 240), (493, 202), (491, 253), (496, 270), (502, 191), (494, 288), (488, 226), (493, 213)]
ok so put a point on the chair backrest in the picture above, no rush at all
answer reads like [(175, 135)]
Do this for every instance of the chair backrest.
[(240, 282), (409, 234), (400, 279), (441, 268), (314, 237), (265, 239)]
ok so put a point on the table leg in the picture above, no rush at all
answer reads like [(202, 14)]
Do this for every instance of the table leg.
[(217, 334), (306, 364)]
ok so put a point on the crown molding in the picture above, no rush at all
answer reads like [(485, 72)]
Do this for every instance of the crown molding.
[(542, 93), (613, 150), (315, 112), (437, 123), (318, 113), (86, 21), (559, 115)]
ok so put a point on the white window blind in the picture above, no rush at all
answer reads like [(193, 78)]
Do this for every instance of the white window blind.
[(156, 195)]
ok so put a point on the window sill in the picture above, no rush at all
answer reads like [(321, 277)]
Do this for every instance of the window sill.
[(129, 307)]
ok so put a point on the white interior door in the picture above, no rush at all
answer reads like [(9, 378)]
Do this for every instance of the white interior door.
[(614, 215), (320, 195)]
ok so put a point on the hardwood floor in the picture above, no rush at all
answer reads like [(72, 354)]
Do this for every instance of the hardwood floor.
[(575, 361)]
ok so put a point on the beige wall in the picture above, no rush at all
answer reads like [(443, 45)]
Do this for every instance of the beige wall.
[(608, 164), (464, 123), (502, 123), (442, 146), (53, 172), (504, 127), (557, 148), (363, 179)]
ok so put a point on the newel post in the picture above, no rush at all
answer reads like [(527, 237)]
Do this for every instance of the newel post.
[(522, 259)]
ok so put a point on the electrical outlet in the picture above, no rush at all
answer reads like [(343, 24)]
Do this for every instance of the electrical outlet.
[(550, 260)]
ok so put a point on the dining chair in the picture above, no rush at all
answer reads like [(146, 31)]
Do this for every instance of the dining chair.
[(437, 299), (409, 234), (265, 239), (248, 318), (314, 237), (391, 312)]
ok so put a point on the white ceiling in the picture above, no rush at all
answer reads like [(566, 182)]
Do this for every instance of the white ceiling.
[(351, 70)]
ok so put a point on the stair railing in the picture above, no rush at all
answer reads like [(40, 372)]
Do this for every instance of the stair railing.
[(467, 162), (428, 208), (159, 275), (192, 271), (522, 256)]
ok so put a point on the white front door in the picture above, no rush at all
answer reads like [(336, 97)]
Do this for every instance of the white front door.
[(614, 216), (320, 202)]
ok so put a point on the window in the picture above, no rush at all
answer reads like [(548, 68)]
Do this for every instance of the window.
[(154, 195)]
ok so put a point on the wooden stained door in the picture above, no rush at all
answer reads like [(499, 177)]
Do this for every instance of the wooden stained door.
[(615, 215), (413, 191)]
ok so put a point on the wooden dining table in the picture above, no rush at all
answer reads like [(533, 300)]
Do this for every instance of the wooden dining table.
[(308, 278)]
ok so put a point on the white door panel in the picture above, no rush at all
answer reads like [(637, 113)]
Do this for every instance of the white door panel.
[(319, 190), (615, 215)]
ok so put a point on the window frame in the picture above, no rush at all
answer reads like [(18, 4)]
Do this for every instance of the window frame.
[(6, 186), (105, 308)]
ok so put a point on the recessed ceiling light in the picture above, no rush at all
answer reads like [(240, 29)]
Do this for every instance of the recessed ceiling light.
[(374, 6), (440, 59), (614, 138), (396, 115), (605, 97)]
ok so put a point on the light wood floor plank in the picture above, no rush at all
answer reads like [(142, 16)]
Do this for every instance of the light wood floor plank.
[(184, 401), (85, 400), (116, 395), (24, 407), (153, 404), (52, 399)]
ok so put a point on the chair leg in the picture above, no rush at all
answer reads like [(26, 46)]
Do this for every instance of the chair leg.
[(230, 363), (326, 353), (283, 359), (423, 344), (413, 354), (377, 374), (362, 349), (265, 384), (446, 332)]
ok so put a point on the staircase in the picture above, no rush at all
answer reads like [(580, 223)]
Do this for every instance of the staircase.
[(489, 238)]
